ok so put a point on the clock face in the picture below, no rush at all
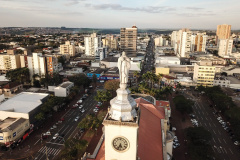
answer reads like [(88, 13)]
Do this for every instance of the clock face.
[(120, 144)]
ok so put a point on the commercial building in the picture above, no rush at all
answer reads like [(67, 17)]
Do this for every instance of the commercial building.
[(67, 49), (128, 42), (222, 82), (204, 73), (9, 62), (12, 129), (25, 105), (64, 89), (92, 44)]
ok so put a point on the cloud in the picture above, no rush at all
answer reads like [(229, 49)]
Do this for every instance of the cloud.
[(195, 14), (194, 8), (73, 2), (148, 9)]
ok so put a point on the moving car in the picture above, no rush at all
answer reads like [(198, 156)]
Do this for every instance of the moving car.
[(80, 106), (83, 110)]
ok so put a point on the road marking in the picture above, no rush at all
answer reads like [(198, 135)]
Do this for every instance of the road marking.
[(210, 124), (218, 150), (219, 132), (36, 142), (214, 132), (225, 150), (214, 140), (56, 143), (230, 150), (206, 118), (214, 125), (69, 130), (224, 141), (219, 140)]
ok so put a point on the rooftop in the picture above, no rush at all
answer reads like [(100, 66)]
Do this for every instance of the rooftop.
[(110, 59), (23, 102), (65, 84)]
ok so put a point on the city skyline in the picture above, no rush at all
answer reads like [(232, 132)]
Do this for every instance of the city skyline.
[(165, 14)]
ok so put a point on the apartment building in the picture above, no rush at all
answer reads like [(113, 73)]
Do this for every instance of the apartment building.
[(204, 73), (9, 62), (184, 48), (128, 42), (110, 42), (67, 49), (160, 41), (223, 31), (225, 47), (198, 42), (92, 44)]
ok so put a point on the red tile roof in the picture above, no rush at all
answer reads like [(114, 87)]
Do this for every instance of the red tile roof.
[(149, 133)]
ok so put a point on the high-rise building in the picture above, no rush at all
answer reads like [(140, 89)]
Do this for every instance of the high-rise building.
[(67, 49), (225, 47), (42, 65), (128, 42), (223, 31), (9, 62), (92, 44), (160, 41), (110, 42), (198, 42), (185, 43)]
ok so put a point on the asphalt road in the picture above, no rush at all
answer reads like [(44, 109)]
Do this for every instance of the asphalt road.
[(221, 143), (149, 59), (68, 127)]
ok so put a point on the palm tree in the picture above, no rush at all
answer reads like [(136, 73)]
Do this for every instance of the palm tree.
[(159, 77)]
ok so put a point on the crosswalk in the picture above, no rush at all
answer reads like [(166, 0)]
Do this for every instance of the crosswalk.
[(49, 150)]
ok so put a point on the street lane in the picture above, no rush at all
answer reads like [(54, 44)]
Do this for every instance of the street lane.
[(68, 127)]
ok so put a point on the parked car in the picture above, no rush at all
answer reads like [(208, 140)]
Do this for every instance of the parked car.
[(56, 135), (62, 119), (174, 129), (219, 118), (83, 110), (80, 106), (82, 130), (48, 133), (76, 119), (79, 101), (95, 110)]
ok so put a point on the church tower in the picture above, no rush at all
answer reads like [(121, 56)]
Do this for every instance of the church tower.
[(121, 122)]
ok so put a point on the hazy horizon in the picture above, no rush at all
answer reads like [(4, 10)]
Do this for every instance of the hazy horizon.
[(151, 14)]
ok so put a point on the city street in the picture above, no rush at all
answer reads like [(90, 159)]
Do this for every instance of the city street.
[(67, 129), (221, 143)]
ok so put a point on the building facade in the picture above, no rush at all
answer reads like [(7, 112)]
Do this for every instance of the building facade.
[(225, 47), (204, 74), (198, 42), (67, 49), (9, 62), (128, 42), (223, 31), (92, 44)]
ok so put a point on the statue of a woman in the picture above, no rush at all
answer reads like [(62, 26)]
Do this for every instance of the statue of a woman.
[(123, 66)]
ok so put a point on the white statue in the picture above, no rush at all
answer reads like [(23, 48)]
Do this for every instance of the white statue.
[(123, 66)]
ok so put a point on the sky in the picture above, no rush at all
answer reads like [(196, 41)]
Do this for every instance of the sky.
[(156, 14)]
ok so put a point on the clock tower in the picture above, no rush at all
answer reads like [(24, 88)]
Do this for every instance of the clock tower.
[(121, 122)]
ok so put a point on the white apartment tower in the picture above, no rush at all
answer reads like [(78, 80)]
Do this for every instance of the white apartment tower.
[(225, 47), (67, 49), (185, 43), (92, 44)]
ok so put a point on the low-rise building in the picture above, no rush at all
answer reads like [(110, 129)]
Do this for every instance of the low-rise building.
[(64, 89), (9, 89), (204, 73), (13, 129), (221, 81)]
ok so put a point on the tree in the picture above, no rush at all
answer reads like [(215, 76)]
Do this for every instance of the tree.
[(112, 85), (40, 116), (62, 60), (20, 75), (182, 104), (159, 78), (136, 75), (102, 96)]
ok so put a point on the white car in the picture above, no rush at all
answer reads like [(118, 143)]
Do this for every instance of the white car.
[(95, 110), (55, 136), (236, 143), (83, 110), (76, 119), (174, 129), (79, 101), (80, 106)]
